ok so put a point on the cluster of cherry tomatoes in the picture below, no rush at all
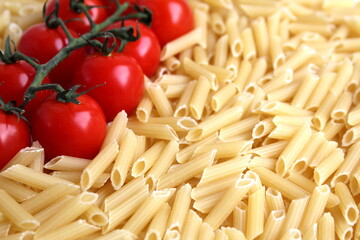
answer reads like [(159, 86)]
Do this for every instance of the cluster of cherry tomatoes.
[(79, 129)]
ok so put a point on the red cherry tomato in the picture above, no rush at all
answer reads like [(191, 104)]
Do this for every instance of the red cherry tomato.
[(171, 18), (111, 6), (14, 136), (68, 128), (44, 43), (78, 21), (123, 78), (14, 80), (146, 50)]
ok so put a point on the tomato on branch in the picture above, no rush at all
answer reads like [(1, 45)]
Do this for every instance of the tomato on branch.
[(170, 18), (76, 19), (14, 136), (15, 78), (44, 43), (122, 79), (146, 50), (71, 129)]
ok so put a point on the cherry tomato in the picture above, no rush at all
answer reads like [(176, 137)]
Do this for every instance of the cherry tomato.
[(123, 82), (146, 50), (78, 21), (14, 80), (111, 6), (76, 130), (14, 136), (171, 18), (44, 43)]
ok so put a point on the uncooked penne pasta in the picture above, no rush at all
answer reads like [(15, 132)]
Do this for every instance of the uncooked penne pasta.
[(342, 228), (218, 171), (347, 204), (24, 157), (125, 209), (181, 43), (133, 186), (147, 210), (233, 31), (116, 129), (326, 227), (123, 159), (157, 227), (351, 136), (186, 171), (199, 98), (315, 207), (343, 173), (273, 225), (164, 160), (147, 159), (71, 211), (214, 123), (160, 101), (221, 51), (180, 208), (228, 202), (16, 190), (292, 150), (255, 216), (287, 188), (328, 166), (192, 226), (98, 165), (144, 109), (18, 216), (353, 117), (158, 131)]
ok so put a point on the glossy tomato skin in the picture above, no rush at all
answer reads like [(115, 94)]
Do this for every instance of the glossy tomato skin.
[(146, 50), (76, 130), (171, 18), (15, 79), (111, 6), (123, 78), (44, 43), (81, 24), (14, 136)]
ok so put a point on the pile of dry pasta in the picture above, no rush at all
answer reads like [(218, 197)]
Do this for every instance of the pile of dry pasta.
[(249, 130)]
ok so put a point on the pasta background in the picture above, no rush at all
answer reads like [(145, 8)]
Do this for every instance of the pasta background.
[(249, 130)]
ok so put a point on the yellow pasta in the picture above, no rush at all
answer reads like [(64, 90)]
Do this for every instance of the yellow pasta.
[(351, 136), (287, 188), (264, 92), (326, 227), (147, 159), (16, 213), (236, 43), (192, 226), (315, 207), (343, 173), (228, 202), (292, 150), (273, 225), (255, 217), (221, 51), (186, 171), (147, 210), (214, 123), (199, 97), (156, 228), (71, 210), (98, 165), (325, 169), (347, 203)]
